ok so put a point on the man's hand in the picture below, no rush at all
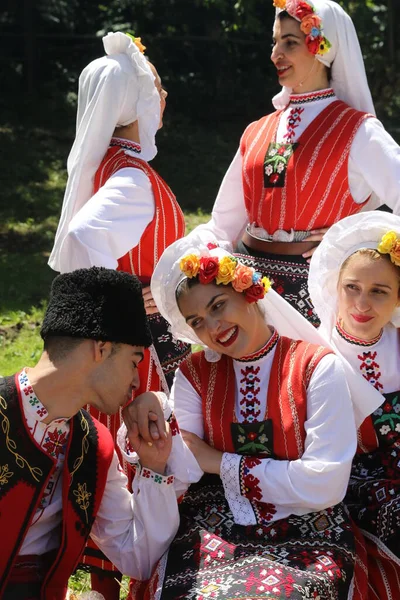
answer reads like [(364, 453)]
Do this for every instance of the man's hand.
[(152, 457), (208, 458), (146, 413)]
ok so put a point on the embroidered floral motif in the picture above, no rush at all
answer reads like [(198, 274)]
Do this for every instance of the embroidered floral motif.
[(253, 438), (156, 477), (276, 161), (386, 420), (33, 400), (370, 369), (294, 121), (250, 403), (249, 487), (82, 498), (5, 474), (55, 442), (173, 425)]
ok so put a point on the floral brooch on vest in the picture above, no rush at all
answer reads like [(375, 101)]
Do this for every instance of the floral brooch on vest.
[(390, 244), (310, 23), (224, 270)]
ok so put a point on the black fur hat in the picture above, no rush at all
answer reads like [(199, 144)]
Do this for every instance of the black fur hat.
[(98, 304)]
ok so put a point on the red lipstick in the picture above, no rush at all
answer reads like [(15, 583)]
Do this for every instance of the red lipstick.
[(362, 318)]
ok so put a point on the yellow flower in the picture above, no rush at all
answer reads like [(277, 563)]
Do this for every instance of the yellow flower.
[(226, 271), (324, 46), (280, 4), (395, 254), (190, 265), (266, 283), (387, 243)]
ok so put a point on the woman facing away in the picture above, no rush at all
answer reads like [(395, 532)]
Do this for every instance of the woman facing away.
[(262, 413), (355, 287), (317, 159), (117, 211)]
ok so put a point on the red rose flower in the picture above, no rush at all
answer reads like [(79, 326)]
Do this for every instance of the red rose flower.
[(303, 9), (208, 271), (313, 44), (274, 178), (281, 150), (254, 293), (252, 435), (387, 407), (212, 245)]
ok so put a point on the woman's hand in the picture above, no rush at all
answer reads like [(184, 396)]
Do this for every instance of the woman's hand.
[(146, 414), (316, 236), (208, 458), (149, 304), (152, 456)]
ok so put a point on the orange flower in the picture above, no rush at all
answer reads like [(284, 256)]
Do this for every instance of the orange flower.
[(310, 22), (395, 254), (280, 4), (138, 42), (243, 278)]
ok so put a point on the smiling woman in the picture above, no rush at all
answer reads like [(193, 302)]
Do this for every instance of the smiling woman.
[(261, 413), (321, 156), (355, 286)]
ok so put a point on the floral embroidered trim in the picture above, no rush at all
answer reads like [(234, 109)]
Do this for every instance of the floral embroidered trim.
[(355, 340), (310, 23), (5, 474), (26, 389), (156, 477), (386, 418), (250, 403), (370, 369), (82, 498), (312, 96), (390, 244), (126, 144), (225, 270), (266, 349), (293, 122)]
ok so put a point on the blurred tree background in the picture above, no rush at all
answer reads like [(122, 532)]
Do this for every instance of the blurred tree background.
[(213, 57)]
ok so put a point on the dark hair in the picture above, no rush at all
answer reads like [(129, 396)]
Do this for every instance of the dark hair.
[(184, 286), (59, 347)]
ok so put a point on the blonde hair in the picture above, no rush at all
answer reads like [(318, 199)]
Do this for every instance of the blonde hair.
[(373, 255)]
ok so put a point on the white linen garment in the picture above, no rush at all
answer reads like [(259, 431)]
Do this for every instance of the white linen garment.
[(315, 481), (130, 529), (374, 166), (111, 223)]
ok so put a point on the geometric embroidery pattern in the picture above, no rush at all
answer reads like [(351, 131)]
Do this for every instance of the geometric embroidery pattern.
[(370, 369)]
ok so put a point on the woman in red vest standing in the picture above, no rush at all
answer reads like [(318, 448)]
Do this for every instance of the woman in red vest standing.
[(317, 159), (117, 211), (261, 411)]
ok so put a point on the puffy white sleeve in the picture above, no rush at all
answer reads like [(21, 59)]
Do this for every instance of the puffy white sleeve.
[(320, 477), (374, 165), (229, 216), (181, 461), (111, 223), (134, 530)]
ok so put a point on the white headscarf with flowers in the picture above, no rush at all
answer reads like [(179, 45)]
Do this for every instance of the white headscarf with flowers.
[(331, 36), (114, 90), (277, 312)]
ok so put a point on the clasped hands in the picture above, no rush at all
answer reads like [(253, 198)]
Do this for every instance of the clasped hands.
[(150, 436)]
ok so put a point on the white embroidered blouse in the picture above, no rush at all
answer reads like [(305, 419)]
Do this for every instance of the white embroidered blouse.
[(374, 166)]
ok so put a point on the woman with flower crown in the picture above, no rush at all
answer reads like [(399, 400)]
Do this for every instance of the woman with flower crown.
[(355, 287), (117, 211), (261, 411), (320, 157)]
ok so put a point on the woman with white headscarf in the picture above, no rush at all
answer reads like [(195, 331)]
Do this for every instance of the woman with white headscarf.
[(117, 211), (354, 284), (261, 411), (317, 159)]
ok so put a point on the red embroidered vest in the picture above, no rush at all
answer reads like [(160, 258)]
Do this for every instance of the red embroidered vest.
[(316, 189), (167, 226), (88, 457), (292, 367)]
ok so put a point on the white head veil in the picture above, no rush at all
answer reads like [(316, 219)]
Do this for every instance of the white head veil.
[(348, 77), (363, 230), (278, 313), (114, 90)]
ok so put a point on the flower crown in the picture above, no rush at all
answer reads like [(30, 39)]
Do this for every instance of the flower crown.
[(310, 23), (226, 270), (390, 244), (138, 42)]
